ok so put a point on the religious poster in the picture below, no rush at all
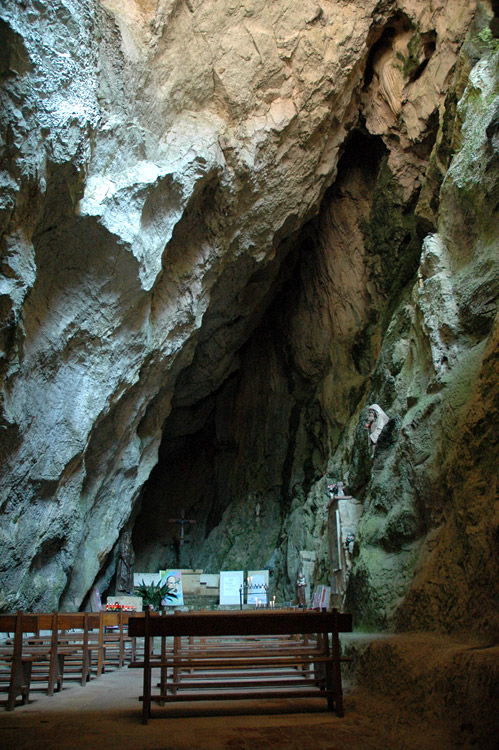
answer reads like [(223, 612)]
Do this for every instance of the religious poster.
[(325, 598), (322, 597), (175, 595), (317, 598), (258, 583), (231, 582)]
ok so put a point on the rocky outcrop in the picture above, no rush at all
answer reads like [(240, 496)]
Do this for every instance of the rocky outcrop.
[(223, 234), (453, 683), (354, 324), (457, 568)]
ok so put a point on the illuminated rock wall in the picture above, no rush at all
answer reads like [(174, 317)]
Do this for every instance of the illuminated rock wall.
[(222, 236)]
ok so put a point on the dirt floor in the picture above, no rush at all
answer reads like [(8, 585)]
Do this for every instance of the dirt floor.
[(106, 715)]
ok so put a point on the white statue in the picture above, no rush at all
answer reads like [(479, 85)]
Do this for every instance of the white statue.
[(301, 584), (376, 420)]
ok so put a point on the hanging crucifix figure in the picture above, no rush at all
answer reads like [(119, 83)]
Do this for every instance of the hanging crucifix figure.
[(182, 521)]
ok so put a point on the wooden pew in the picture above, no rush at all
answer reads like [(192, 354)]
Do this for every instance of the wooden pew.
[(109, 639), (50, 646), (118, 646), (302, 655), (50, 652), (264, 667), (15, 665), (73, 631), (69, 638)]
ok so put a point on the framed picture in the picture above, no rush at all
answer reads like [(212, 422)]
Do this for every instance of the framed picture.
[(173, 580)]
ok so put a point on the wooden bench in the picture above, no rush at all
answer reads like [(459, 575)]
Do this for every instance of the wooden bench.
[(118, 646), (47, 650), (15, 665), (48, 647), (303, 655), (102, 636), (243, 655), (74, 632), (109, 632)]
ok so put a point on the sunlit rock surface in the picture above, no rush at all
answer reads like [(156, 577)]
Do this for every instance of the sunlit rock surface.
[(226, 229)]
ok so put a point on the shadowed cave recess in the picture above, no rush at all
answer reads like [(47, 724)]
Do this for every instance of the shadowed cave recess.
[(214, 262), (244, 457)]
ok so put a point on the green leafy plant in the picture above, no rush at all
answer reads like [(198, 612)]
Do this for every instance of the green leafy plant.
[(154, 593), (485, 37)]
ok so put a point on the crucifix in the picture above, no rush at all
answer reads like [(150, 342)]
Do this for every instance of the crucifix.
[(182, 521)]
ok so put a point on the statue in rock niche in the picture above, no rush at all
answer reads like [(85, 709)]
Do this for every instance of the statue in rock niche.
[(301, 584), (124, 568), (376, 420)]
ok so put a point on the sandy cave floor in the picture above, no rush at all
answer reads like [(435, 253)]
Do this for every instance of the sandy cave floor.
[(106, 714)]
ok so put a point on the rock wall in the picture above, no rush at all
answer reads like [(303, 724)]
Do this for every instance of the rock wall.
[(224, 232), (453, 682)]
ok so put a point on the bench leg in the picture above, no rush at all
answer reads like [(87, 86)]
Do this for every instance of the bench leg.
[(56, 675), (26, 681), (330, 686), (336, 676), (146, 696), (163, 673), (85, 668), (177, 671), (20, 681)]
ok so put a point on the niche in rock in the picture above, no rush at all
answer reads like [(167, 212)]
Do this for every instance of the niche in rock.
[(398, 58)]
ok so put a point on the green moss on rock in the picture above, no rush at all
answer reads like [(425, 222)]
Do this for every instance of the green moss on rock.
[(390, 235)]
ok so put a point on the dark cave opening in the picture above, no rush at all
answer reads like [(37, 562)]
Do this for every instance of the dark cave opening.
[(264, 433)]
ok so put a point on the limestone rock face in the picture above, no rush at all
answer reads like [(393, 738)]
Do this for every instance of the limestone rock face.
[(447, 678), (222, 236)]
